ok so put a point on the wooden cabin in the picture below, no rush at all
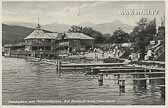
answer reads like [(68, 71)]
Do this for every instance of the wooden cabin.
[(40, 43), (48, 45), (73, 42)]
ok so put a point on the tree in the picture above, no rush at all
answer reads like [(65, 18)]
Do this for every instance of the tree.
[(142, 34), (119, 36), (75, 28), (98, 36), (151, 27), (107, 38)]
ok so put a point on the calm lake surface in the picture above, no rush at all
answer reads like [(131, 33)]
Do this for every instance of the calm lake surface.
[(25, 82)]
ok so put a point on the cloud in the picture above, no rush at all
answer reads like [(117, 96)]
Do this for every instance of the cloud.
[(73, 12)]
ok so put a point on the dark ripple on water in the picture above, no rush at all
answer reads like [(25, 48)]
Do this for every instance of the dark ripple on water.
[(24, 80)]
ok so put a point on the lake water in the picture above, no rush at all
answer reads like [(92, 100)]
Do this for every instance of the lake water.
[(25, 82)]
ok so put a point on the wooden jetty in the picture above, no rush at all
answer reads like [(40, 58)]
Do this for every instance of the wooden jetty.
[(53, 62), (93, 65), (126, 70), (135, 73), (150, 63), (153, 78), (141, 73)]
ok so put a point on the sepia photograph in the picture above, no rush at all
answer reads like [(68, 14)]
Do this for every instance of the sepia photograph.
[(83, 52)]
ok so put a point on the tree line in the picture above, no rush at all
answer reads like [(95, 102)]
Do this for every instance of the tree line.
[(142, 33)]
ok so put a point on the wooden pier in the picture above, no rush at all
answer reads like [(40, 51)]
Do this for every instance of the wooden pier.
[(93, 65), (135, 73), (154, 78), (141, 73), (53, 62)]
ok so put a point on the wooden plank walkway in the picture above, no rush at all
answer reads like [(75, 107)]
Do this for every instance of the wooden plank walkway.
[(93, 68), (160, 85), (149, 63), (92, 65), (154, 62), (53, 62), (103, 67), (118, 67), (153, 78), (134, 73), (148, 67), (121, 70)]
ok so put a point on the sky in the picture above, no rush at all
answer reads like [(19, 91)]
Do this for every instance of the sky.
[(77, 12)]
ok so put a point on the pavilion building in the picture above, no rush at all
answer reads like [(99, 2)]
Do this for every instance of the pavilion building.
[(73, 42), (41, 43)]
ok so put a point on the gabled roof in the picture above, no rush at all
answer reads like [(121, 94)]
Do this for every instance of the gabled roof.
[(40, 34), (74, 36)]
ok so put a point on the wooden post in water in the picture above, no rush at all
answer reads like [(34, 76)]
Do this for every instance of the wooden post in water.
[(118, 77), (58, 66), (85, 69), (150, 81), (91, 70), (162, 91), (56, 63), (100, 79), (122, 85), (134, 82), (142, 83)]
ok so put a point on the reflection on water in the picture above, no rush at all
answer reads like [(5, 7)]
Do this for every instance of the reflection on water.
[(23, 80)]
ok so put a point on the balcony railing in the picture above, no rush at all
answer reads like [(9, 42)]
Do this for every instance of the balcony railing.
[(39, 44)]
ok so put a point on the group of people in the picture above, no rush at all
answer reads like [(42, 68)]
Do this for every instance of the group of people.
[(110, 53), (149, 55), (136, 56)]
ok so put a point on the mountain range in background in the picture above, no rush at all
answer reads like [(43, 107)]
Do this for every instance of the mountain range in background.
[(104, 28), (109, 27), (13, 34), (17, 31)]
